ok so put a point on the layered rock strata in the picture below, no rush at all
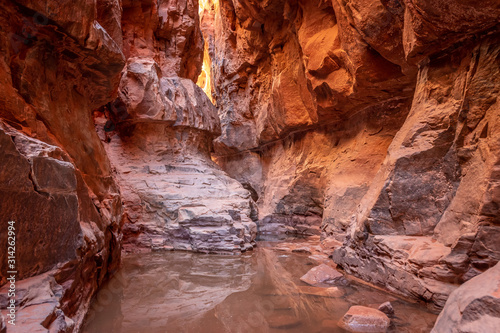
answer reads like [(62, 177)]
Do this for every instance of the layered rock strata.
[(438, 183), (158, 134), (474, 306), (58, 61), (175, 197), (308, 104), (374, 122)]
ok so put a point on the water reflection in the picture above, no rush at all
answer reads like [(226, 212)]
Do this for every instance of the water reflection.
[(256, 292)]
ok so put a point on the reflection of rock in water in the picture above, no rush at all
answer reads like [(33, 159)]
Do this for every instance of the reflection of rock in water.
[(166, 291), (274, 302), (179, 292)]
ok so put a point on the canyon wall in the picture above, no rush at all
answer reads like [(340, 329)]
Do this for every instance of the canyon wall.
[(57, 63), (158, 134), (372, 122), (105, 143)]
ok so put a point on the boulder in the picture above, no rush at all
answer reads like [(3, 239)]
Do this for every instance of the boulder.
[(387, 309), (322, 274), (283, 321), (474, 306), (364, 319)]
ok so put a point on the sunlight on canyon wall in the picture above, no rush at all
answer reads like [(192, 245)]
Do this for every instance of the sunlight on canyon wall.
[(206, 8)]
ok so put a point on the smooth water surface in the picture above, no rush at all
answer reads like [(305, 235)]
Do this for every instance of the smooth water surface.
[(255, 292)]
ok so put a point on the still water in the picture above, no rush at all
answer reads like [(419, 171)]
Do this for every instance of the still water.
[(259, 291)]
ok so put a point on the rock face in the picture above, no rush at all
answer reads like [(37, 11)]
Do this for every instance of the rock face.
[(474, 306), (57, 63), (305, 120), (128, 66), (451, 140), (373, 122), (175, 197), (158, 134)]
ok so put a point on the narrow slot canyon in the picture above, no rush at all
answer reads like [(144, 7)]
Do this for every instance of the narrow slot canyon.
[(249, 166)]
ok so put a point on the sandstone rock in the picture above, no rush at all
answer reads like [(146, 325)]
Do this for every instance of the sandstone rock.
[(166, 30), (57, 63), (359, 57), (320, 259), (474, 306), (363, 319), (323, 119), (37, 303), (272, 114), (150, 97), (426, 22), (387, 309), (386, 261), (175, 196), (329, 244), (322, 274), (455, 177)]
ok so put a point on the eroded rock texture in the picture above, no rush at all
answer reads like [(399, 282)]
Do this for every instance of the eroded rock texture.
[(308, 106), (175, 196), (158, 134), (437, 179), (374, 122), (57, 63), (474, 306)]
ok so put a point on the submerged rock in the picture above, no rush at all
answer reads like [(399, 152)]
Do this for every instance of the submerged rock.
[(364, 319), (283, 321), (322, 274), (322, 292)]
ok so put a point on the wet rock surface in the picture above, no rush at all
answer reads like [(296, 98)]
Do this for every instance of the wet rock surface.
[(448, 200), (322, 274), (364, 319), (387, 309), (373, 124)]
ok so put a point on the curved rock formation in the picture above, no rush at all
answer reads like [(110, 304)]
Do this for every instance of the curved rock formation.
[(175, 197), (474, 306), (158, 134), (301, 93), (57, 63), (374, 122)]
